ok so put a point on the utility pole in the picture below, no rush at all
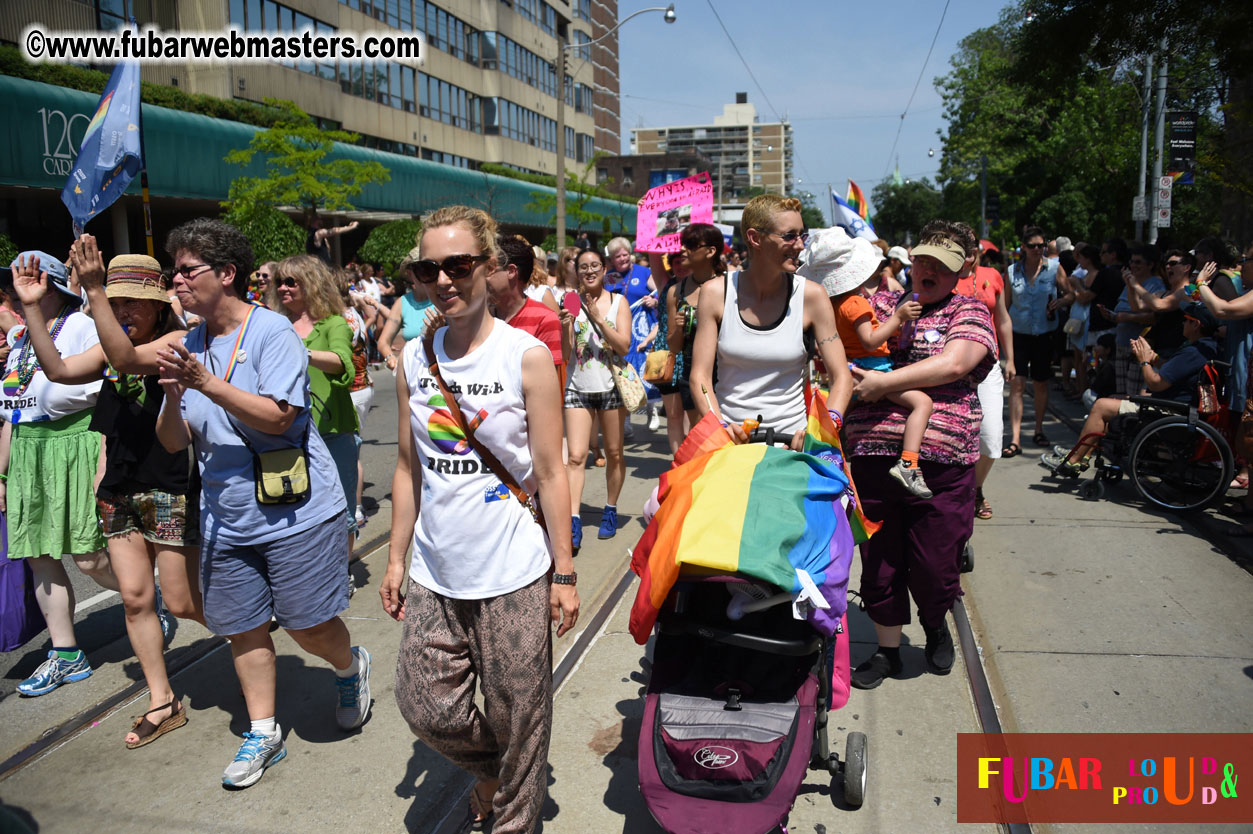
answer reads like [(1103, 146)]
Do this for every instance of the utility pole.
[(561, 143), (1158, 139), (983, 196), (1145, 104)]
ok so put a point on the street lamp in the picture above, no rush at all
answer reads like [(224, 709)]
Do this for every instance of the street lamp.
[(562, 49)]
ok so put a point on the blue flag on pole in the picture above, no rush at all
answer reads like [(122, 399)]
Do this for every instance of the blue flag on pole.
[(842, 214), (111, 154)]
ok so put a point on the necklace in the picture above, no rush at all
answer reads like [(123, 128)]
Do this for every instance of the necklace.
[(27, 361)]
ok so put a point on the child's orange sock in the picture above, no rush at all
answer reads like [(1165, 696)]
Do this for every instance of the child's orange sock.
[(910, 459)]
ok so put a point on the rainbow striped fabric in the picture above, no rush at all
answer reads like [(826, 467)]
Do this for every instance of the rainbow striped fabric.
[(857, 200), (756, 510)]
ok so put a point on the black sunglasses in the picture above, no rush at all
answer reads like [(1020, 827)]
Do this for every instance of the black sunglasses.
[(287, 281), (454, 266), (1033, 246)]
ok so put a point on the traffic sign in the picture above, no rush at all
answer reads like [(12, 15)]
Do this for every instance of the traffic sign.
[(1163, 218), (1163, 197), (1166, 182)]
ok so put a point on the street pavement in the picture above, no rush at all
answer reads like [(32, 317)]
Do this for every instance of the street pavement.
[(1089, 616)]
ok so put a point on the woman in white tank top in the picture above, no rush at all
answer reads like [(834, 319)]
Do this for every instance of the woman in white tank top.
[(754, 323), (479, 597)]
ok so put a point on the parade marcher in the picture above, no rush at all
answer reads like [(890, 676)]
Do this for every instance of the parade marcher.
[(147, 498), (480, 597), (601, 328), (51, 453), (916, 551), (506, 293), (843, 266), (635, 282), (754, 325), (407, 319), (265, 277), (318, 238), (1173, 379), (238, 386), (1036, 290), (987, 285), (535, 285), (361, 313), (306, 292)]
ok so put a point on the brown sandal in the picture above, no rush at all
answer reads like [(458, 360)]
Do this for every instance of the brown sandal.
[(480, 808), (149, 732), (983, 510)]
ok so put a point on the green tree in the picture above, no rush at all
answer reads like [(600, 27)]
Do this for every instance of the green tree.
[(300, 171), (811, 215), (389, 243), (902, 210), (8, 250), (579, 218), (273, 235)]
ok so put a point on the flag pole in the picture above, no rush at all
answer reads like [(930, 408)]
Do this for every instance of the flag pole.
[(143, 178)]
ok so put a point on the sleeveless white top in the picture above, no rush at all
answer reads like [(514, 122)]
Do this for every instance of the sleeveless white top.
[(589, 366), (762, 370), (473, 539)]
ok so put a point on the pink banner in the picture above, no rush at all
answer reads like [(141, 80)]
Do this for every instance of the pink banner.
[(668, 209)]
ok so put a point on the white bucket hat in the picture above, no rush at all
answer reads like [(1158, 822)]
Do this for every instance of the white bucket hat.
[(839, 262)]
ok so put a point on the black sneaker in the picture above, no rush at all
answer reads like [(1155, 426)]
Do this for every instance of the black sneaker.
[(939, 650), (872, 672)]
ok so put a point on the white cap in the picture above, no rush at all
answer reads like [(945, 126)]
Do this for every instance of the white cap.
[(900, 254), (839, 262)]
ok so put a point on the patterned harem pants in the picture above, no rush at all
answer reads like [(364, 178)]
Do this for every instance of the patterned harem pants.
[(504, 643)]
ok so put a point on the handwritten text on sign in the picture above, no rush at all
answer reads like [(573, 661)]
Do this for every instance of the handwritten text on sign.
[(668, 209)]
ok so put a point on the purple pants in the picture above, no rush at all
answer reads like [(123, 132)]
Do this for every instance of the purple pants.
[(918, 549)]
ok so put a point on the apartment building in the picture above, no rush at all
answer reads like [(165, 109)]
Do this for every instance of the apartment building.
[(744, 153)]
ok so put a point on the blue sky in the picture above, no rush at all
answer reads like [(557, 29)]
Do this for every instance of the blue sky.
[(841, 72)]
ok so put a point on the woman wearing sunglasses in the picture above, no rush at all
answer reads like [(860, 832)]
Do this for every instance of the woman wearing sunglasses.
[(304, 290), (756, 326), (480, 594), (602, 329)]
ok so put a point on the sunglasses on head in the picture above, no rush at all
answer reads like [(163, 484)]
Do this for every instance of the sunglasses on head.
[(454, 266), (287, 281)]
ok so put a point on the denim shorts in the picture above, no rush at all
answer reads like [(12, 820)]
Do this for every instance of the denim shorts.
[(301, 581), (160, 517)]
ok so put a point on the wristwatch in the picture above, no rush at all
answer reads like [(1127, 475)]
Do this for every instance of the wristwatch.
[(565, 578), (1150, 364)]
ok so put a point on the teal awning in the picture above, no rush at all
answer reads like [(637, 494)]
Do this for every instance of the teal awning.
[(43, 125)]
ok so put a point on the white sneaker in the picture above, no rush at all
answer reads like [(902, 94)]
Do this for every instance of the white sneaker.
[(258, 752), (354, 694), (654, 420), (911, 478), (360, 516)]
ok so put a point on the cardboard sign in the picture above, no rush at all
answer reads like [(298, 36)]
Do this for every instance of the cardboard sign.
[(668, 209)]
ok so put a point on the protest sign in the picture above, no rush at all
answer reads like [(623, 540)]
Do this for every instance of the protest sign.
[(668, 209)]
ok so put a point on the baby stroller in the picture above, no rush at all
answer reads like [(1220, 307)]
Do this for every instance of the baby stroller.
[(736, 711), (736, 707)]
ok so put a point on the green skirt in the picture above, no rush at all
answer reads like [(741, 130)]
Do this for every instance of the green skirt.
[(51, 502)]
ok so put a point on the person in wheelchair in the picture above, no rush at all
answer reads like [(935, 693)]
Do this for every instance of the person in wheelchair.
[(1175, 380)]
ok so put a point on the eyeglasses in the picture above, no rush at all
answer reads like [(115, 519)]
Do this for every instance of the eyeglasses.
[(286, 281), (591, 269), (454, 266), (788, 237), (1033, 246), (186, 270)]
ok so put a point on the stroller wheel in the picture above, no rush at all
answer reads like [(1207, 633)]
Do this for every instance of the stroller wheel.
[(968, 558), (855, 769)]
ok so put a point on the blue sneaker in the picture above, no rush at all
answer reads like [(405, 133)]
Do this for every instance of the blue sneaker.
[(608, 523), (55, 671), (576, 533), (258, 752), (354, 694)]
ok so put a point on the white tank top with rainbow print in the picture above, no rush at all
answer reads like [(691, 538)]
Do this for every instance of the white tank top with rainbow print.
[(473, 539)]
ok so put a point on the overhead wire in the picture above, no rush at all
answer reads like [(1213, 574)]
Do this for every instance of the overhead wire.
[(921, 72)]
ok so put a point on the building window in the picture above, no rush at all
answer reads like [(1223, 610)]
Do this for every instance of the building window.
[(581, 40), (112, 14), (445, 32), (449, 104), (501, 53), (582, 9), (513, 121)]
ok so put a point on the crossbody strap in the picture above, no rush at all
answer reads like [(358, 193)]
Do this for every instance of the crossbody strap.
[(493, 463), (614, 358), (208, 355)]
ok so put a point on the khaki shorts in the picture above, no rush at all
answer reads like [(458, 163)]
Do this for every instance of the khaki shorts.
[(161, 517)]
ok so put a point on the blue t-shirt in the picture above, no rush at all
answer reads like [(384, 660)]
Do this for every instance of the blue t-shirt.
[(1181, 370), (637, 277), (274, 364)]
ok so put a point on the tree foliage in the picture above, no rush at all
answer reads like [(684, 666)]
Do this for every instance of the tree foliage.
[(811, 215), (273, 235), (1052, 94), (296, 155), (8, 250), (389, 243), (902, 210), (580, 218)]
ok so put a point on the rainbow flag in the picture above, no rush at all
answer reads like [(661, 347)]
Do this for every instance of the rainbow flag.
[(857, 200), (756, 510)]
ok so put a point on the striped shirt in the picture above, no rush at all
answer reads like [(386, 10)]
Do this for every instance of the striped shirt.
[(952, 436)]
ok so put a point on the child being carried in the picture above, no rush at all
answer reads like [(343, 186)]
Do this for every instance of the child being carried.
[(846, 266)]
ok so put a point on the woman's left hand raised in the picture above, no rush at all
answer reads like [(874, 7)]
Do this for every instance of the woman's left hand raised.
[(563, 600), (179, 366)]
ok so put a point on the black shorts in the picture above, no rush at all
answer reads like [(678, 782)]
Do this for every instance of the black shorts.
[(1033, 356), (683, 390)]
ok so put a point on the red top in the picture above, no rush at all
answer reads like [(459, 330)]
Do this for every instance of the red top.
[(540, 322), (985, 284), (852, 310)]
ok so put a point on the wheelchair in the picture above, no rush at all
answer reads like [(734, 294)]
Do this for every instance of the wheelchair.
[(1177, 456)]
